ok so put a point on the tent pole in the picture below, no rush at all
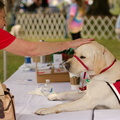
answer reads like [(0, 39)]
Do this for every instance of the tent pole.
[(5, 55), (5, 64)]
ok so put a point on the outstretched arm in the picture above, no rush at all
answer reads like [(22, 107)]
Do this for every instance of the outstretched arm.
[(26, 48)]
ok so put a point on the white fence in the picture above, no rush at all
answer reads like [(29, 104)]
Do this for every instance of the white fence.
[(52, 26)]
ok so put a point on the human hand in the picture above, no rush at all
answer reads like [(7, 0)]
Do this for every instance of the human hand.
[(81, 41)]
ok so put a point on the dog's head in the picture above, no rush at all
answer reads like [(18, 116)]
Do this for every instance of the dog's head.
[(93, 57)]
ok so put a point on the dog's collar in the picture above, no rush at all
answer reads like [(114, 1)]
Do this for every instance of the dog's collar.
[(108, 67), (88, 68)]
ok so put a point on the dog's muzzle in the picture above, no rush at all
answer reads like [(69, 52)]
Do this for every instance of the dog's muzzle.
[(67, 65)]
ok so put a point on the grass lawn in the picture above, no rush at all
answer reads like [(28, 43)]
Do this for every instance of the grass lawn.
[(113, 46), (14, 61)]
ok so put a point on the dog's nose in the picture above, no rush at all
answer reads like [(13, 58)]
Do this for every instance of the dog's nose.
[(67, 65)]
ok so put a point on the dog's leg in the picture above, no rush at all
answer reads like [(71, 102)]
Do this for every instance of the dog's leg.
[(82, 104), (95, 95), (71, 95)]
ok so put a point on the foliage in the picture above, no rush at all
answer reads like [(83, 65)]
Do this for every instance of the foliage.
[(115, 10), (99, 7)]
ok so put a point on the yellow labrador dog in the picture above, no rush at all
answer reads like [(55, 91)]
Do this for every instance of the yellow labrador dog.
[(103, 88)]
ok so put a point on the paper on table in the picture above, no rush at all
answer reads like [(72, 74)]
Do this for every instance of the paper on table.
[(37, 91)]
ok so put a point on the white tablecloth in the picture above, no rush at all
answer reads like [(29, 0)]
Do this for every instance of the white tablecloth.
[(26, 104)]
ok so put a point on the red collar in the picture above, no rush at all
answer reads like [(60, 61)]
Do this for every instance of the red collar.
[(108, 67), (88, 68)]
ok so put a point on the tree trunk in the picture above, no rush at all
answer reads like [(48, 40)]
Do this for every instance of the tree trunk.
[(99, 7)]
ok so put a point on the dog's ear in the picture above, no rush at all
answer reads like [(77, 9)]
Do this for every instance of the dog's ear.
[(99, 62)]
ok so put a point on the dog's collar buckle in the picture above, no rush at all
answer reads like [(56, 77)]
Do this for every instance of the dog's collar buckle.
[(87, 80)]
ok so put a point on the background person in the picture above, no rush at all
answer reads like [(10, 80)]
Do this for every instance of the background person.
[(75, 18), (33, 7)]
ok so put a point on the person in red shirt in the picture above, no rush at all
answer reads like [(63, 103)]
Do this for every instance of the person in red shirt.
[(22, 47)]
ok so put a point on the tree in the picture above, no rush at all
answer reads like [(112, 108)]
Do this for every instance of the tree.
[(115, 10), (99, 7)]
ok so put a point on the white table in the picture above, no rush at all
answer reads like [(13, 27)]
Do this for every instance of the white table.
[(27, 104)]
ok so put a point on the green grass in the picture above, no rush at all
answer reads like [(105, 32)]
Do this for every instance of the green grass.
[(15, 61), (113, 46)]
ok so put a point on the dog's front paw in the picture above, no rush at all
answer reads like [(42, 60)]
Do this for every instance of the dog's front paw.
[(46, 111), (52, 97), (42, 111), (39, 111)]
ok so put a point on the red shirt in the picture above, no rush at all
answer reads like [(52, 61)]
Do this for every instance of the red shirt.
[(5, 39)]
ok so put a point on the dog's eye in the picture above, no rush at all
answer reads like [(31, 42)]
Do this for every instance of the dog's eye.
[(82, 57)]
